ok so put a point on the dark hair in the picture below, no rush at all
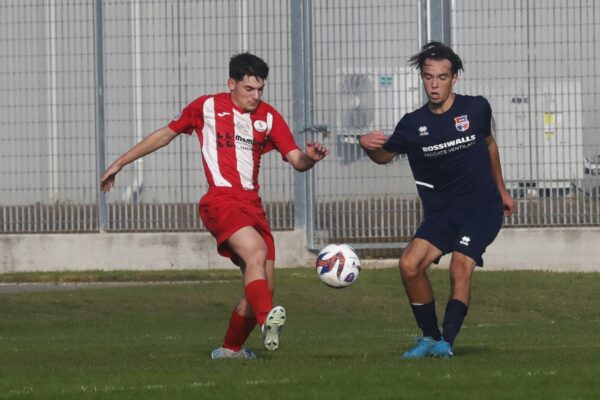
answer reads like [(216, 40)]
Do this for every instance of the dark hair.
[(436, 51), (244, 64)]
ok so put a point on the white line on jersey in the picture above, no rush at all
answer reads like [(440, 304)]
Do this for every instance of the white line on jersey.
[(424, 184)]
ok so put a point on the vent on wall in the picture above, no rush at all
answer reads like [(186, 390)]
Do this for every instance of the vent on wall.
[(371, 99)]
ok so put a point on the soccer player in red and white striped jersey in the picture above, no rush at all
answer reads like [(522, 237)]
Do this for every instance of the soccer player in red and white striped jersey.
[(235, 129)]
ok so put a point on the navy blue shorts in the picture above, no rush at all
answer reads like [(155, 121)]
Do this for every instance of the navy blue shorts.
[(467, 231)]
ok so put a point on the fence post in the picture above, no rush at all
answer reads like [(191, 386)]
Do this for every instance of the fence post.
[(435, 21), (298, 9), (434, 24), (99, 111)]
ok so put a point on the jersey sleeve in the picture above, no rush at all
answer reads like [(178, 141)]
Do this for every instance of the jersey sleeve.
[(189, 117), (395, 143), (280, 137), (487, 117)]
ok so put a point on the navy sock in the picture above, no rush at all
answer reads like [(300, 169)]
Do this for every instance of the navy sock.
[(427, 319), (456, 311)]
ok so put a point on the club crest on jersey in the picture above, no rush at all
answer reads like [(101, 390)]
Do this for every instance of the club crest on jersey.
[(461, 123), (260, 126)]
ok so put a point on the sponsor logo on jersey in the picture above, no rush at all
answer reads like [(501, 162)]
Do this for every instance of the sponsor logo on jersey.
[(260, 126), (423, 131), (448, 144), (465, 240), (244, 140), (461, 123), (224, 113)]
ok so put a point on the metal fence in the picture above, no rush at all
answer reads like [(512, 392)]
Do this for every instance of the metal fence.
[(81, 81)]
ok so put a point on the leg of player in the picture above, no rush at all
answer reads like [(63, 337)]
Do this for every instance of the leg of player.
[(241, 324), (414, 262), (249, 245), (461, 271)]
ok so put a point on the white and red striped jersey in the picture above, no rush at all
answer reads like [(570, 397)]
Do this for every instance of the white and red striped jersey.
[(233, 140)]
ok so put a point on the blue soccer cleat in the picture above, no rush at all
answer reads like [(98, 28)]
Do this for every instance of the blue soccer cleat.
[(441, 349), (421, 349)]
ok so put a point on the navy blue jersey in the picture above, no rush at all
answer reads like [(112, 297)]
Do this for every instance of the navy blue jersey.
[(448, 153)]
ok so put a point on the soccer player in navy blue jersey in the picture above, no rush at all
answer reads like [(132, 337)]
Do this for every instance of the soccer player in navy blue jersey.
[(456, 166)]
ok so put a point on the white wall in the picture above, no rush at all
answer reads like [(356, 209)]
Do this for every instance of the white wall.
[(560, 249), (139, 251)]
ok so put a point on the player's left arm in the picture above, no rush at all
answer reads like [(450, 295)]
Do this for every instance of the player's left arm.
[(305, 160), (282, 139), (509, 203)]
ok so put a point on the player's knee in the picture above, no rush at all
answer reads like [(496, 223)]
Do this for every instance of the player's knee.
[(256, 258), (461, 270), (408, 269)]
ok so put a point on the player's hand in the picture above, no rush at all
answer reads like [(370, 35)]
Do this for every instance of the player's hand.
[(316, 151), (373, 140), (108, 178), (510, 206)]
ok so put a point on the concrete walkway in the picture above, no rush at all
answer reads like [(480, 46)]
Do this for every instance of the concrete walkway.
[(44, 287)]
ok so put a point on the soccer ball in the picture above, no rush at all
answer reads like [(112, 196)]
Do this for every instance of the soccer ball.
[(338, 266)]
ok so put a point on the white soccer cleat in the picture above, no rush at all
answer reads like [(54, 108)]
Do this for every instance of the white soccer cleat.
[(221, 353), (272, 327)]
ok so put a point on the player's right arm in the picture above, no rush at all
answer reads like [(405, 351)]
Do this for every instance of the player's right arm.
[(372, 143), (154, 141)]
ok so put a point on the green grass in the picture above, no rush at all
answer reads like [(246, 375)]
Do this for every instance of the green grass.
[(528, 335)]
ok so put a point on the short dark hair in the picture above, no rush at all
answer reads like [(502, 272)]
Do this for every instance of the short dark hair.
[(244, 64), (436, 51)]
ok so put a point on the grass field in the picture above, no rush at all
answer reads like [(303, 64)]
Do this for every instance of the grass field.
[(528, 335)]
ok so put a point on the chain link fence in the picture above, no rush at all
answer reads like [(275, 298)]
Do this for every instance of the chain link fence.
[(536, 62)]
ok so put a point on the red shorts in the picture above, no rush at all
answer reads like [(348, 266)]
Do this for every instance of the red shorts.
[(224, 211)]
